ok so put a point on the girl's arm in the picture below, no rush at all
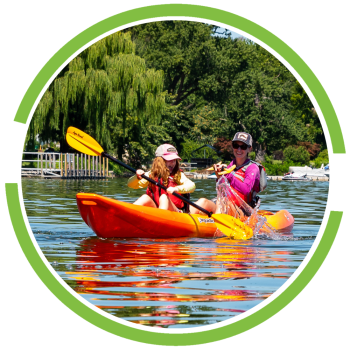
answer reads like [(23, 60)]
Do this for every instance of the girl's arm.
[(187, 186), (136, 184)]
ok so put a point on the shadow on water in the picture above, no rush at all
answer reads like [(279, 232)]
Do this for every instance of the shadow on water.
[(170, 283)]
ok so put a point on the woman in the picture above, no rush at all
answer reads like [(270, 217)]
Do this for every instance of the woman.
[(165, 168), (244, 179)]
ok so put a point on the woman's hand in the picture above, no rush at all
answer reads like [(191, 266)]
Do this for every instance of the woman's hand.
[(139, 173), (171, 190), (217, 169)]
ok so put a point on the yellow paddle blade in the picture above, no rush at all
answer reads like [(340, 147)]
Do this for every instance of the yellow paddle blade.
[(82, 142), (227, 171), (212, 168), (232, 227)]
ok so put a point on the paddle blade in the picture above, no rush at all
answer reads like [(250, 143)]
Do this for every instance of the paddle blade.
[(229, 170), (232, 227), (82, 142)]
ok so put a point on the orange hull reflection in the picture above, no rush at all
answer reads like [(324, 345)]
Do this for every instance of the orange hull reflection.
[(161, 283)]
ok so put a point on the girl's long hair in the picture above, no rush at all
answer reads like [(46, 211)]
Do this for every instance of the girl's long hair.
[(160, 171)]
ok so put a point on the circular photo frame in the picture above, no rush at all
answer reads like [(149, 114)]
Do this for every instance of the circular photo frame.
[(272, 306)]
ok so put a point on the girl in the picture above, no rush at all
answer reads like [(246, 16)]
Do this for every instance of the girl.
[(166, 169)]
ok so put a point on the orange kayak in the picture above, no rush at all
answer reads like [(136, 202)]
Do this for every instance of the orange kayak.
[(112, 218)]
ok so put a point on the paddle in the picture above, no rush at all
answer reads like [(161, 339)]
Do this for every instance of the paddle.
[(227, 224)]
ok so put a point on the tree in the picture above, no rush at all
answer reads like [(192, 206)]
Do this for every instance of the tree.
[(304, 111), (312, 148), (224, 145), (105, 88), (186, 52), (259, 101), (296, 155), (321, 159)]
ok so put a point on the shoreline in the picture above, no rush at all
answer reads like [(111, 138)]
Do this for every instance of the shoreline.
[(270, 178)]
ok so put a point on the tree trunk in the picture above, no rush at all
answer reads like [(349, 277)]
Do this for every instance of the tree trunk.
[(259, 153), (64, 148)]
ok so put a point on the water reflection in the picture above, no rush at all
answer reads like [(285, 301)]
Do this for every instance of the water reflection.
[(173, 283), (169, 283)]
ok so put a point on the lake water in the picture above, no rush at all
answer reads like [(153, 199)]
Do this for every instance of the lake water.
[(170, 283)]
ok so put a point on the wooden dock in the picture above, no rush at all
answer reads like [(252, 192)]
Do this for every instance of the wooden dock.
[(64, 166)]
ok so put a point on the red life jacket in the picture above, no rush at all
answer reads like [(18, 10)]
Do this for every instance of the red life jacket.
[(155, 192)]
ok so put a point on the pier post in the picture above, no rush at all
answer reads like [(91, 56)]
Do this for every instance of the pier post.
[(103, 168), (65, 165), (100, 173), (89, 164), (73, 161), (96, 167), (41, 161)]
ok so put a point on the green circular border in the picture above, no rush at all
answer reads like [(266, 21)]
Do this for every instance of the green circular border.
[(200, 337)]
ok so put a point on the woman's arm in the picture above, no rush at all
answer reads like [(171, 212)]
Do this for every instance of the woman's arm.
[(252, 173)]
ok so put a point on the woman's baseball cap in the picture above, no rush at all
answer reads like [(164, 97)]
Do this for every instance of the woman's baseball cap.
[(167, 152), (243, 137)]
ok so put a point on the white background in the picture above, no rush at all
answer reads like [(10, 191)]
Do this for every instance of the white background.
[(31, 33)]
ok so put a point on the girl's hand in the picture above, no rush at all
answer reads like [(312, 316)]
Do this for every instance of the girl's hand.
[(171, 190), (139, 173)]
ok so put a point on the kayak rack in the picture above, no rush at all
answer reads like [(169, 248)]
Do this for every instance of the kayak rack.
[(64, 166)]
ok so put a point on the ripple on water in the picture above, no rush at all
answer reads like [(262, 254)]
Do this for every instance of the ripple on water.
[(170, 283)]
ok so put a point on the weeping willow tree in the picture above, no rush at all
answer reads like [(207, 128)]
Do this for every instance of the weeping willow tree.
[(106, 87)]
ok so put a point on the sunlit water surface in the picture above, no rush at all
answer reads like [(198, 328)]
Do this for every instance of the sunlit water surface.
[(175, 282)]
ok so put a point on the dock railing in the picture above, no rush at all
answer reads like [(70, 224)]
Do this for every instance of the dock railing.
[(64, 165), (188, 167)]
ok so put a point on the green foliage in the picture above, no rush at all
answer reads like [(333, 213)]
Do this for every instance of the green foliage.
[(117, 169), (206, 123), (321, 159), (177, 82), (187, 54), (189, 146), (252, 155), (304, 112), (277, 169), (105, 87), (297, 155)]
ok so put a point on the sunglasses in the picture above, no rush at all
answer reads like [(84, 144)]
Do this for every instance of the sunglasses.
[(242, 147)]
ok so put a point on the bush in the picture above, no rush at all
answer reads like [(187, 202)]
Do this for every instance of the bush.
[(321, 159), (297, 155), (312, 148), (276, 169), (252, 155), (117, 169)]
